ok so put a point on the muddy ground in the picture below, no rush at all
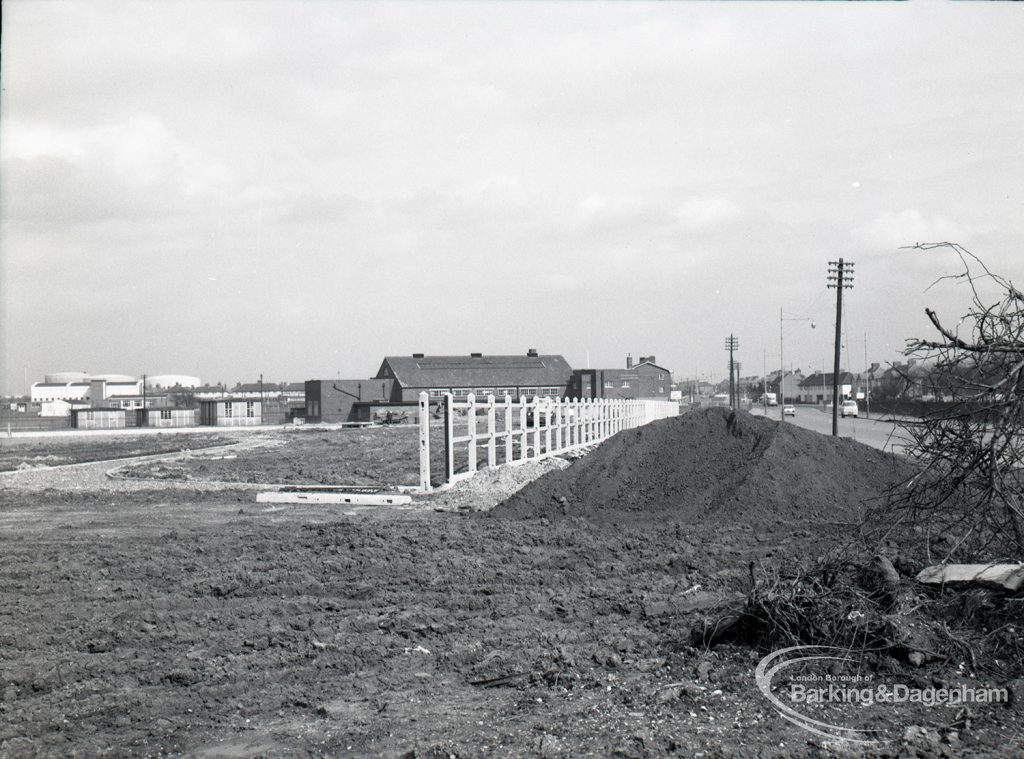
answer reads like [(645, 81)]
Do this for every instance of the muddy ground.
[(57, 450), (187, 622)]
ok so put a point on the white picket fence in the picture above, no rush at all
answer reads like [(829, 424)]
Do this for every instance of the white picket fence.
[(526, 429)]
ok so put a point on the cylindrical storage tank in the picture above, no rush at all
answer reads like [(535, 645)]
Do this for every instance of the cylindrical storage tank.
[(57, 378)]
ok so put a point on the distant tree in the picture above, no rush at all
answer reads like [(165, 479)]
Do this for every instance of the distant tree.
[(971, 451)]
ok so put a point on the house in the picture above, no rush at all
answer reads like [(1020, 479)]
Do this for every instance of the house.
[(786, 389), (340, 401), (230, 412), (817, 388), (644, 380), (210, 392), (519, 376), (94, 418)]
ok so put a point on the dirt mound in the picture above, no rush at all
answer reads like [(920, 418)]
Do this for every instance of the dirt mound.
[(713, 462)]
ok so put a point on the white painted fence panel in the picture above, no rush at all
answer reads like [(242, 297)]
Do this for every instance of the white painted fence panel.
[(527, 429)]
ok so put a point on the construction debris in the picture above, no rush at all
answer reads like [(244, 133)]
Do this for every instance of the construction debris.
[(1009, 577)]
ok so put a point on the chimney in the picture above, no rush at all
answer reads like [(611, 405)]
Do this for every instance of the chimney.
[(531, 353), (629, 360)]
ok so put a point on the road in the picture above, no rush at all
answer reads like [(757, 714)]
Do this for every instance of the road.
[(878, 433)]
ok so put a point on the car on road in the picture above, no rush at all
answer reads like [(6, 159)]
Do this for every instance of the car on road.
[(789, 410), (849, 408)]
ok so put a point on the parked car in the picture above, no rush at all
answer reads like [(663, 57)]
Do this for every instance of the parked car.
[(789, 410), (849, 408)]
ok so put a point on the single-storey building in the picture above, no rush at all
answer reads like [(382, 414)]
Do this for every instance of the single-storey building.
[(231, 412), (526, 375), (339, 401), (97, 418), (165, 417)]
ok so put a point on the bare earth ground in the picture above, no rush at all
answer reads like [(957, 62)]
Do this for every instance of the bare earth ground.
[(180, 618)]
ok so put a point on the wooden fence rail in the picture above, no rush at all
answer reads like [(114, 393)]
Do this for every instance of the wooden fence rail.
[(510, 431)]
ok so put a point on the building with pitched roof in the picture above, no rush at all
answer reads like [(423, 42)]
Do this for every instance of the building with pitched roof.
[(526, 375), (642, 380), (817, 388)]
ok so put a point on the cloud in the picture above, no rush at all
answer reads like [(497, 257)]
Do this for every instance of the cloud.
[(129, 169), (702, 213), (889, 231)]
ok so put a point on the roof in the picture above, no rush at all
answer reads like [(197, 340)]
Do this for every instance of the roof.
[(651, 363), (256, 387), (480, 371), (818, 379)]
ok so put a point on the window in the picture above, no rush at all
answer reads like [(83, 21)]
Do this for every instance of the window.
[(661, 376), (460, 392), (528, 392), (227, 409), (661, 389), (608, 385), (625, 383), (437, 392), (483, 392), (551, 392), (250, 409), (165, 413)]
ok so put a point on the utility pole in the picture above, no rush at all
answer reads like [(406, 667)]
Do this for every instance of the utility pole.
[(732, 344), (840, 276)]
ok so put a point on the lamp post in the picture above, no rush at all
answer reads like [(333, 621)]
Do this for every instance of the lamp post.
[(782, 359)]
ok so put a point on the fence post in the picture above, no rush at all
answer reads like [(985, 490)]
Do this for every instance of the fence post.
[(547, 427), (508, 428), (449, 435), (524, 437), (559, 417), (492, 442), (424, 443), (535, 406), (471, 429)]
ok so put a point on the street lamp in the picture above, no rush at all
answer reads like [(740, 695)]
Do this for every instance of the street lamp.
[(782, 360)]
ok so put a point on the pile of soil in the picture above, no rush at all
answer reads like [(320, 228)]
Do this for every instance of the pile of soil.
[(714, 463)]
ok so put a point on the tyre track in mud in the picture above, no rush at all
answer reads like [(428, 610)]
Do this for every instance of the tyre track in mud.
[(106, 474)]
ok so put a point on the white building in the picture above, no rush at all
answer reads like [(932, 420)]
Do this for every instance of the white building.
[(95, 391)]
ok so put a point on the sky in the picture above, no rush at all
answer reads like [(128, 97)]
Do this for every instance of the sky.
[(298, 189)]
